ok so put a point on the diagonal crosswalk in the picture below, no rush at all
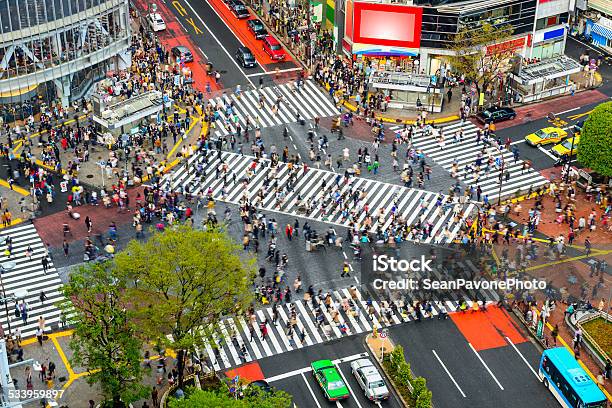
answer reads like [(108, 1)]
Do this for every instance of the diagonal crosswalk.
[(466, 151), (29, 277), (230, 343), (309, 101), (311, 183)]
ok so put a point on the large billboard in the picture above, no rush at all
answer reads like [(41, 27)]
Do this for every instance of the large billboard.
[(385, 24)]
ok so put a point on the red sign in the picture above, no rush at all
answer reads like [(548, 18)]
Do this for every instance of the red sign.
[(385, 24), (506, 46)]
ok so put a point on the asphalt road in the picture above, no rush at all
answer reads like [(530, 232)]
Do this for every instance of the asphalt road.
[(215, 39), (429, 344), (285, 372)]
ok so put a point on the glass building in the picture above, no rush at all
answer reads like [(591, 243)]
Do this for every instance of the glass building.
[(54, 50)]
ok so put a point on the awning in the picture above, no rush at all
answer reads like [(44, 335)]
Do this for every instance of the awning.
[(601, 30)]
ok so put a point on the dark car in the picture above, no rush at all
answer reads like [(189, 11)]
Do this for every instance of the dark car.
[(239, 9), (257, 28), (496, 114), (182, 51), (245, 57)]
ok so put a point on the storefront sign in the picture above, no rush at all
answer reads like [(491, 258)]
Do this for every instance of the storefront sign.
[(368, 49), (554, 34), (506, 46)]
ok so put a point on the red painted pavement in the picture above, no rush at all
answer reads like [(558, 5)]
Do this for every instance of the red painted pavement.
[(487, 330), (535, 111), (250, 372), (241, 31), (174, 35), (50, 228)]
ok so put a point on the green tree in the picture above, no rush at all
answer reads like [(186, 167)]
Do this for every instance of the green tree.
[(476, 54), (183, 281), (424, 400), (104, 340), (403, 374), (419, 385), (254, 398), (596, 140), (397, 357)]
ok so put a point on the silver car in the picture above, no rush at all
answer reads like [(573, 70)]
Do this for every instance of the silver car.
[(369, 379)]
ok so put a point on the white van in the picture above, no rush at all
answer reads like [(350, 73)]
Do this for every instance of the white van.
[(156, 22)]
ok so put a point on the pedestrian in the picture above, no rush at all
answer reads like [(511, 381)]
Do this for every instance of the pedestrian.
[(587, 245), (154, 396), (66, 247), (345, 270), (39, 336), (45, 264), (92, 404), (88, 224), (608, 369), (42, 296), (554, 333)]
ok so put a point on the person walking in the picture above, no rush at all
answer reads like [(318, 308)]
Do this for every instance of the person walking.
[(66, 248), (42, 296), (345, 270), (45, 264), (39, 336), (88, 224), (154, 397)]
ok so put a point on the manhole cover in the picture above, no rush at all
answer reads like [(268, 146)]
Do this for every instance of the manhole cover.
[(89, 176)]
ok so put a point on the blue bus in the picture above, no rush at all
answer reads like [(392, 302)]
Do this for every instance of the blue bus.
[(569, 383)]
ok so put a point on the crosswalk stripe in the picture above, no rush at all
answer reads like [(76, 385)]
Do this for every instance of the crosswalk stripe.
[(466, 151), (270, 334), (28, 276)]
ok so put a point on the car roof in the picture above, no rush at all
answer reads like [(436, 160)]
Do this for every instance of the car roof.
[(271, 40), (181, 48), (321, 364), (551, 129), (255, 21), (244, 50), (156, 16)]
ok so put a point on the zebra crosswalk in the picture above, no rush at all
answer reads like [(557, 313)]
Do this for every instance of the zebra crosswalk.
[(238, 340), (465, 152), (309, 101), (311, 184), (28, 279)]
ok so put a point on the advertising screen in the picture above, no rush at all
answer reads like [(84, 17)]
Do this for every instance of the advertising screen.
[(384, 24)]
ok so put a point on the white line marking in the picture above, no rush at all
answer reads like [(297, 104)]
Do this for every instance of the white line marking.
[(203, 53), (274, 72), (217, 40), (314, 397), (338, 404), (348, 386), (485, 366), (569, 110), (523, 358), (308, 369), (546, 152), (517, 142), (448, 372)]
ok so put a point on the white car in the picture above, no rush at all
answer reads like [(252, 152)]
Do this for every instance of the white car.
[(156, 22), (369, 379)]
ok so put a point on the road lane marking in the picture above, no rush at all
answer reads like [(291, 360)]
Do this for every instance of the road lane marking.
[(347, 385), (275, 72), (448, 372), (569, 110), (546, 152), (219, 42), (523, 358), (338, 404), (308, 369), (485, 366), (517, 142), (314, 397)]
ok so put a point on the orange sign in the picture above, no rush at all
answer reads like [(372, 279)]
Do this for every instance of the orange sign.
[(506, 46)]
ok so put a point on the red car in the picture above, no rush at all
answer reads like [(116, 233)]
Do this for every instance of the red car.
[(273, 48)]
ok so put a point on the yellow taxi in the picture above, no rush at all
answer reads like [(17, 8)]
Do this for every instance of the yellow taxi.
[(546, 136), (564, 148)]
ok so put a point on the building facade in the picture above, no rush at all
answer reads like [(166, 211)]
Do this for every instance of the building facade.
[(54, 50), (428, 27)]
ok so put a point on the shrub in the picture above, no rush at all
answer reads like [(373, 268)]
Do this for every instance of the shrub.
[(397, 357), (419, 386), (424, 400), (402, 373)]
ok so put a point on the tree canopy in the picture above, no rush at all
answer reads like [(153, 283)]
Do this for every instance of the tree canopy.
[(104, 340), (596, 140), (480, 54), (254, 398), (183, 280)]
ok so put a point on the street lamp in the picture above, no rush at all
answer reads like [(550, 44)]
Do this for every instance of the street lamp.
[(6, 267)]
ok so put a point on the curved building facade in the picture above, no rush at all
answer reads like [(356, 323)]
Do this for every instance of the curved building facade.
[(53, 50)]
